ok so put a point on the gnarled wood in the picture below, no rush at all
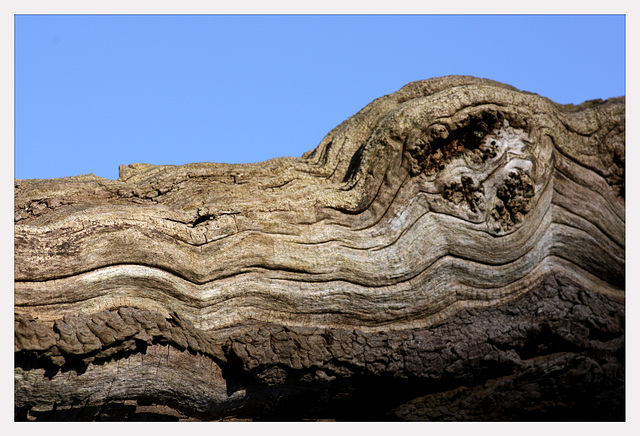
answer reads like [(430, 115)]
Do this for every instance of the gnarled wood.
[(454, 251)]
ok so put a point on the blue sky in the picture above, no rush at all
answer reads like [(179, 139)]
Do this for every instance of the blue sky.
[(96, 91)]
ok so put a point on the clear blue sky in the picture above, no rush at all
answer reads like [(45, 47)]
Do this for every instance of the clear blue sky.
[(96, 91)]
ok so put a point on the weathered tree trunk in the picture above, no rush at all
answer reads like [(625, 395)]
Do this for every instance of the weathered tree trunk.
[(454, 251)]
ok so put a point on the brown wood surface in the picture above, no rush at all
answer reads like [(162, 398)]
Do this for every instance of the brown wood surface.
[(454, 251)]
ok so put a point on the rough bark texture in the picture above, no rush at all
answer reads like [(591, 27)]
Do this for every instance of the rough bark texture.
[(454, 251)]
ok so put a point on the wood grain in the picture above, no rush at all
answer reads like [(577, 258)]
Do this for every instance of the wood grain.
[(452, 196)]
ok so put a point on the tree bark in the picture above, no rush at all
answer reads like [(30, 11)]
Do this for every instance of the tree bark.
[(454, 251)]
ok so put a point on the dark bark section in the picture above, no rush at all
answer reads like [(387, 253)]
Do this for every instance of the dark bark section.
[(555, 353), (79, 340)]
